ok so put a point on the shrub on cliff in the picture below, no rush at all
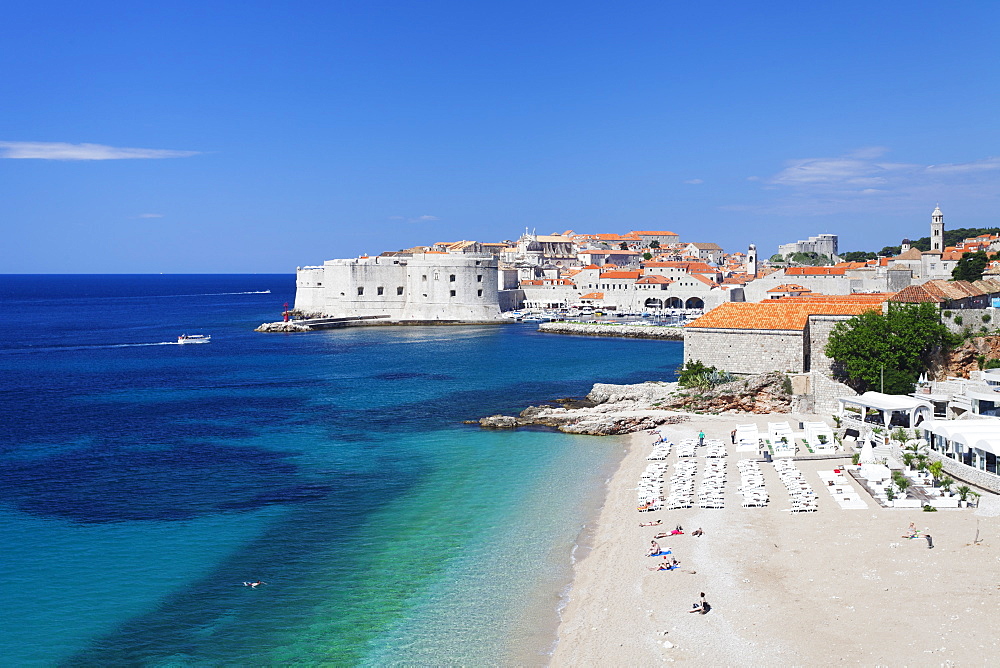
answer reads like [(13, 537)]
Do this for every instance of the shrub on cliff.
[(874, 350)]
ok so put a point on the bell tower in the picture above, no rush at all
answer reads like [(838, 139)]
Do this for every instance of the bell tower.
[(937, 229), (752, 260)]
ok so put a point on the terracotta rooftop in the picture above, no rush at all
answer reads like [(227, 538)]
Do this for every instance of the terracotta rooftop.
[(654, 279), (621, 274), (939, 291), (777, 314), (657, 233), (593, 295), (790, 287)]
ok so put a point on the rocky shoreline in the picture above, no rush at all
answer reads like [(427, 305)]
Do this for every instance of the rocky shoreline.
[(623, 409), (613, 329)]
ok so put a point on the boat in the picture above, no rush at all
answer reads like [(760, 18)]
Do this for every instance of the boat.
[(194, 338)]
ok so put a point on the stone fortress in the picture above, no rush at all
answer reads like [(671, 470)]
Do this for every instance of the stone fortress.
[(423, 287)]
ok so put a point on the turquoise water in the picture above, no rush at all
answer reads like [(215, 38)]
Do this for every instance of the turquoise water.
[(142, 484)]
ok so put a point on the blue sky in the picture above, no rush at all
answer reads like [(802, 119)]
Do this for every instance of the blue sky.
[(258, 136)]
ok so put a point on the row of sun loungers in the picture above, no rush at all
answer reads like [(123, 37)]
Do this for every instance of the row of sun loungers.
[(682, 485), (802, 495), (752, 484), (712, 491), (687, 447), (715, 449), (650, 487)]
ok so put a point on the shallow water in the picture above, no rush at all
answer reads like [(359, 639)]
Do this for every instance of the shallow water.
[(141, 484)]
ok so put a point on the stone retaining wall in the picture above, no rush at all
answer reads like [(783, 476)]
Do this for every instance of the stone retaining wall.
[(629, 331)]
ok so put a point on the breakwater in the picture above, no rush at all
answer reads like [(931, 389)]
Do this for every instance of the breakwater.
[(613, 329)]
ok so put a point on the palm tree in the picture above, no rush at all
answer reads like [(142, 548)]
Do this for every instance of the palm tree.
[(936, 470), (946, 484), (921, 462), (963, 492), (908, 459)]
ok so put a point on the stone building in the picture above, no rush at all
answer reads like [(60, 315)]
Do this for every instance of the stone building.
[(823, 244), (786, 335), (432, 286)]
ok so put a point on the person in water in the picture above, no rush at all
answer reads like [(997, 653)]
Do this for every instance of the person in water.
[(253, 585)]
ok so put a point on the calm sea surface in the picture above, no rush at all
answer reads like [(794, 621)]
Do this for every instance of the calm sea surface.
[(142, 482)]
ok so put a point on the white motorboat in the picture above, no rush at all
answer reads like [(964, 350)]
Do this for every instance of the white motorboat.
[(194, 338)]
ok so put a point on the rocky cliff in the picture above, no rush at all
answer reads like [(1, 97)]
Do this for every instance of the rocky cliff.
[(623, 409), (966, 357)]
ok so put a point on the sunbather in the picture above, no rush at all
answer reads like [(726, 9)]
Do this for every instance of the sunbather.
[(697, 532), (654, 548), (651, 524)]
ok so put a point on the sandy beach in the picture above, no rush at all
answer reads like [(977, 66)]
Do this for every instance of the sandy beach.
[(829, 587)]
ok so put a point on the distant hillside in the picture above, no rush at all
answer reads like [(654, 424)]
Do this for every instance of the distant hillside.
[(951, 238)]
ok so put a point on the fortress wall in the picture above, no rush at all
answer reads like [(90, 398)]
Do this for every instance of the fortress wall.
[(745, 351), (421, 287)]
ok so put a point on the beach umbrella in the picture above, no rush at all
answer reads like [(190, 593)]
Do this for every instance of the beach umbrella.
[(867, 452)]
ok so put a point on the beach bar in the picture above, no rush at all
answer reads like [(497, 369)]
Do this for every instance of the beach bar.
[(888, 411)]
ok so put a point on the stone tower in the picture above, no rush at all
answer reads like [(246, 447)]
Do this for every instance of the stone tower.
[(937, 229), (752, 260), (905, 246)]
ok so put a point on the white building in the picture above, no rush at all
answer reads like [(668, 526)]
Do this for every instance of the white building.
[(423, 287)]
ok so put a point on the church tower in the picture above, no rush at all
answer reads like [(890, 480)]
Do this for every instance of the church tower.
[(752, 260), (937, 229)]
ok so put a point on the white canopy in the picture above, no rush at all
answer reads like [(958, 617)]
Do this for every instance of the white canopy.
[(887, 402)]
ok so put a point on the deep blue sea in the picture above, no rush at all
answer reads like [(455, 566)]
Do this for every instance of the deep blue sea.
[(142, 482)]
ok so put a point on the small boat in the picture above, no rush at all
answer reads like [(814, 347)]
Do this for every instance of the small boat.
[(194, 338)]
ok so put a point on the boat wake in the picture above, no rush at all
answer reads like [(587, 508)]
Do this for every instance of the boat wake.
[(96, 346)]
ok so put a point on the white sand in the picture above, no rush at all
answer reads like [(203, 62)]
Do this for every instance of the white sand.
[(832, 587)]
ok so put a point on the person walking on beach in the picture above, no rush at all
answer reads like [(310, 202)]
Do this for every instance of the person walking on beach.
[(732, 436), (701, 438), (930, 541)]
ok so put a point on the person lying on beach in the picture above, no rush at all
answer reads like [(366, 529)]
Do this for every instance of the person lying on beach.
[(651, 524), (665, 566), (661, 535), (697, 532), (676, 532)]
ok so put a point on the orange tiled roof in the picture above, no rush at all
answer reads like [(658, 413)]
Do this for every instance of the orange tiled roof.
[(776, 314), (621, 274), (657, 233), (648, 280), (790, 287), (593, 295)]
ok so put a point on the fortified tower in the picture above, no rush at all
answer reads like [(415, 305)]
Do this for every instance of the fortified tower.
[(937, 229), (752, 260)]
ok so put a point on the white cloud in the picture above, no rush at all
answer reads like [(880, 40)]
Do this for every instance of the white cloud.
[(862, 181), (150, 215), (694, 182), (63, 151)]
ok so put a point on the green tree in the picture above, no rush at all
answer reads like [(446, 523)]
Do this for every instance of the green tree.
[(875, 350), (971, 266), (654, 244), (647, 256), (858, 256), (623, 245)]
